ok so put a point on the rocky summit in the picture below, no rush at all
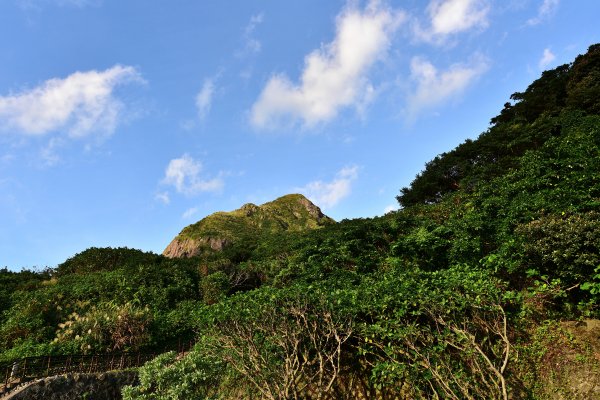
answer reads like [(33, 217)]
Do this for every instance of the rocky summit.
[(290, 213)]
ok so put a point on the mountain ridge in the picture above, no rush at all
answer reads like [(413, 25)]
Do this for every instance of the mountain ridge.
[(246, 225)]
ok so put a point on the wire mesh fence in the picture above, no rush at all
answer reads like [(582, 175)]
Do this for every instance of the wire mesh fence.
[(37, 367), (29, 368)]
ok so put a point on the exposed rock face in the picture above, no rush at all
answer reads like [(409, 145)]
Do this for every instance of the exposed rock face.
[(292, 212), (193, 247), (313, 210), (106, 386), (182, 248), (249, 209)]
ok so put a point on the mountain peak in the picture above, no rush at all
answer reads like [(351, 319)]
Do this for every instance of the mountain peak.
[(289, 213)]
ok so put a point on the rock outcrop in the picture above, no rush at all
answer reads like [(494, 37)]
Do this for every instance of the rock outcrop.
[(106, 385), (193, 247)]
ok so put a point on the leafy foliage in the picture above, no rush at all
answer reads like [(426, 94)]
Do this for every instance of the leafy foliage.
[(169, 378), (96, 259)]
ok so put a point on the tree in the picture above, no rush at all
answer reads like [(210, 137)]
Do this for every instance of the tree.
[(283, 343)]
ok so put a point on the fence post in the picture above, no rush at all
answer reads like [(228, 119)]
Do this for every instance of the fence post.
[(7, 377), (48, 369), (96, 364), (24, 369), (67, 365)]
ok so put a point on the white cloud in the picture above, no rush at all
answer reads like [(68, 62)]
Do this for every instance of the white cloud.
[(251, 45), (187, 124), (329, 194), (546, 59), (184, 175), (546, 10), (189, 213), (449, 17), (163, 197), (204, 98), (255, 20), (49, 154), (435, 87), (390, 208), (334, 76), (81, 104)]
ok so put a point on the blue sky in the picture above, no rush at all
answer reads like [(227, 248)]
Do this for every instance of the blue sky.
[(121, 122)]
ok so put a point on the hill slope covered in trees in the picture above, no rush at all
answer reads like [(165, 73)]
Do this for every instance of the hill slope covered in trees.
[(482, 286)]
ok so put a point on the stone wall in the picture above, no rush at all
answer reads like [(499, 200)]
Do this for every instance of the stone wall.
[(99, 386)]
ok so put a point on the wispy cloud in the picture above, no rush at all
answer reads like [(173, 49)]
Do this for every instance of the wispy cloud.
[(204, 98), (81, 104), (433, 87), (334, 76), (329, 194), (49, 154), (251, 45), (390, 208), (163, 197), (184, 174), (547, 58), (189, 213), (546, 10), (449, 17)]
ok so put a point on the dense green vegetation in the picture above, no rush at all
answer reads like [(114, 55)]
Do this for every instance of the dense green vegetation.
[(462, 294)]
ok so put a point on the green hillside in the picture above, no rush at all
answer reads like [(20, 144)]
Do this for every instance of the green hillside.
[(484, 285)]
